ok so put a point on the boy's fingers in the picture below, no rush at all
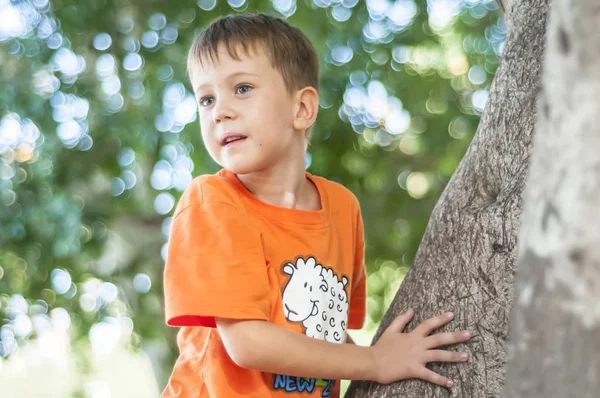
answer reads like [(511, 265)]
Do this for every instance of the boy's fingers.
[(434, 378), (445, 356), (401, 321), (428, 326), (448, 338)]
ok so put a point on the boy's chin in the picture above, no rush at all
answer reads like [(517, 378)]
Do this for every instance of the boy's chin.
[(239, 168)]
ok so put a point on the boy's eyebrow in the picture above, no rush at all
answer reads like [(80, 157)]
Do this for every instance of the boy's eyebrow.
[(229, 77)]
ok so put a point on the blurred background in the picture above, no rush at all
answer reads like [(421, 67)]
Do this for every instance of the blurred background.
[(99, 137)]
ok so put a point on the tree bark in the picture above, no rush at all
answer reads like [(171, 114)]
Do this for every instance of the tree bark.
[(554, 348), (466, 261)]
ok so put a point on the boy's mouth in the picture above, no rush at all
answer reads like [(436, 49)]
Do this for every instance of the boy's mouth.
[(231, 138)]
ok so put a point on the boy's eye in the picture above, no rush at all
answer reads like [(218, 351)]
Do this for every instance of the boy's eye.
[(206, 101), (243, 88)]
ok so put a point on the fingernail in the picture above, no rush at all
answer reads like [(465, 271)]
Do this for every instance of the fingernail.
[(449, 383), (450, 315), (464, 356), (467, 334)]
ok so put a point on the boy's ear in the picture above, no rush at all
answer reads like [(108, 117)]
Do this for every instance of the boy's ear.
[(307, 106)]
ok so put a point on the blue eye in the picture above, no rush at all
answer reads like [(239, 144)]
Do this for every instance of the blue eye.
[(243, 89), (204, 101)]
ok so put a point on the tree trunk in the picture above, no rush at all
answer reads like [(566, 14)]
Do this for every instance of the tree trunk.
[(554, 348), (466, 261)]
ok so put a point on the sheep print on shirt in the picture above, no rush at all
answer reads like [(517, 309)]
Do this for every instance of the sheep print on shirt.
[(233, 256)]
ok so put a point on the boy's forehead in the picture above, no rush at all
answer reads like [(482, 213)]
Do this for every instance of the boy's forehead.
[(221, 64)]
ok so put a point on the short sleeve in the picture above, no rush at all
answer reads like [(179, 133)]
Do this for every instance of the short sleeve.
[(358, 295), (215, 267)]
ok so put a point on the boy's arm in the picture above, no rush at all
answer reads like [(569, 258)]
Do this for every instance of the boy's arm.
[(272, 348)]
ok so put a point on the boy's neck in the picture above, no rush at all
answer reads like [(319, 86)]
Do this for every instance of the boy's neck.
[(285, 187)]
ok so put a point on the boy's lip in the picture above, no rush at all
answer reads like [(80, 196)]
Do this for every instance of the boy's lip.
[(228, 136)]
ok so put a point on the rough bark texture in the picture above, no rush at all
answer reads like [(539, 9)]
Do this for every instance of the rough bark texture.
[(466, 261), (554, 348)]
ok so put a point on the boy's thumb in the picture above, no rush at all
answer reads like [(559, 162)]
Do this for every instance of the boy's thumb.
[(401, 321)]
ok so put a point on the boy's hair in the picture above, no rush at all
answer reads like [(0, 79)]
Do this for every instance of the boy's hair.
[(290, 51)]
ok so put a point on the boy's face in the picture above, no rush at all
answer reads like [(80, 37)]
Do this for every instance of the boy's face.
[(246, 112)]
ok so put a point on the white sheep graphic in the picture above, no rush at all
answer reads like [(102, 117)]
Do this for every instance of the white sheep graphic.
[(316, 297)]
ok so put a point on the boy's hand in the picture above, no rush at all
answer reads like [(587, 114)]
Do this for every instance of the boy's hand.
[(400, 355)]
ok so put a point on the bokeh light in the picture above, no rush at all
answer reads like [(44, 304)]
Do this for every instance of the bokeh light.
[(102, 41), (142, 283), (207, 5)]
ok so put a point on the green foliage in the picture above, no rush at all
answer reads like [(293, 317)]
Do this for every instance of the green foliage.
[(98, 139)]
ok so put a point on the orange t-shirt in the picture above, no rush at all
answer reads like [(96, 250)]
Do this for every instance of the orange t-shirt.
[(233, 256)]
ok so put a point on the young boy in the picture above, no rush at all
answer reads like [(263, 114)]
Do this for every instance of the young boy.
[(265, 268)]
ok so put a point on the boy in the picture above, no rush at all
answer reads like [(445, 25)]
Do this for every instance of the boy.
[(265, 270)]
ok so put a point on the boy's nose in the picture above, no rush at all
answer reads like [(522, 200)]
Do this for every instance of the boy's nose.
[(223, 112)]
